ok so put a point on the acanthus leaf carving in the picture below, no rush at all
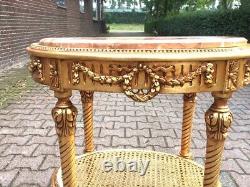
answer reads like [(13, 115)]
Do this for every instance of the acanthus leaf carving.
[(64, 116), (218, 121)]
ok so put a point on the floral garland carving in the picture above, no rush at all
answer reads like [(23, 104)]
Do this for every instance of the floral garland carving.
[(36, 68), (247, 73), (156, 81)]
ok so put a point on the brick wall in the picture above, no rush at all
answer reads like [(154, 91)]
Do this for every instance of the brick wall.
[(25, 21)]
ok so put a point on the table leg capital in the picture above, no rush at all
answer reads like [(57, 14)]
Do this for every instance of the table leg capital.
[(87, 96), (64, 114), (218, 117)]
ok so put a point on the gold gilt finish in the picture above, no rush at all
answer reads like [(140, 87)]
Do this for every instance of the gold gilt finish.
[(87, 106), (141, 68), (64, 115), (187, 123), (218, 120)]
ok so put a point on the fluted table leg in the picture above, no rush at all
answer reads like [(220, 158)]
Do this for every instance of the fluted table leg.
[(64, 115), (188, 113), (87, 104), (218, 120)]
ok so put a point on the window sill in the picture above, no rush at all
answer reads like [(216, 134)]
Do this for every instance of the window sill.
[(61, 6)]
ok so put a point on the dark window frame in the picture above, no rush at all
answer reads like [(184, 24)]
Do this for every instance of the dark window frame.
[(61, 3), (82, 8)]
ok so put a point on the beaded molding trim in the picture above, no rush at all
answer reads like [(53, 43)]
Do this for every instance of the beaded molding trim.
[(62, 49)]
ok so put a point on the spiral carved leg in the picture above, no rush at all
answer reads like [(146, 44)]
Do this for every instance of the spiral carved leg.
[(87, 104), (218, 120), (188, 112), (64, 115)]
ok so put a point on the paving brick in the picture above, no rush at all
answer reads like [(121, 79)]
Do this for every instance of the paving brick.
[(19, 140), (20, 161), (26, 117), (171, 142), (35, 131), (6, 177), (31, 123), (236, 144), (148, 125), (117, 141), (102, 147), (200, 144), (36, 139), (38, 178), (245, 165), (114, 118), (152, 141), (51, 161), (231, 165), (44, 149), (239, 135), (21, 111), (145, 113), (4, 161), (136, 118), (241, 180), (105, 112), (125, 113), (234, 153), (227, 180), (12, 131), (147, 148), (4, 147), (106, 141), (131, 125), (115, 107), (112, 132), (166, 150), (168, 132), (14, 149), (107, 124), (10, 124), (138, 132)]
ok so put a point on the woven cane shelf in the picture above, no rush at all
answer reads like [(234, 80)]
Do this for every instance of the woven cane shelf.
[(164, 170)]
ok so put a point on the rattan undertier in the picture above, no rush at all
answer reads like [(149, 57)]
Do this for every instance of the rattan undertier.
[(164, 170)]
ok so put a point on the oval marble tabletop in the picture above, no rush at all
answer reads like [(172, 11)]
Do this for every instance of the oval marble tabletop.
[(143, 48)]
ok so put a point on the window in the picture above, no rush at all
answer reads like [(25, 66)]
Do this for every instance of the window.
[(61, 3), (95, 12), (82, 6)]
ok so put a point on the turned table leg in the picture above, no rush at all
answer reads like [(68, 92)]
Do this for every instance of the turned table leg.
[(87, 105), (188, 113), (218, 120), (64, 115)]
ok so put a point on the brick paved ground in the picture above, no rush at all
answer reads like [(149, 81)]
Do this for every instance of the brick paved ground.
[(28, 144)]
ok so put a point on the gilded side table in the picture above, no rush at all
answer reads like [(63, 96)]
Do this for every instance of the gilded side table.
[(141, 68)]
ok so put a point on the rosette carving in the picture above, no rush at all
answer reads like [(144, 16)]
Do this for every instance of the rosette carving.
[(64, 115)]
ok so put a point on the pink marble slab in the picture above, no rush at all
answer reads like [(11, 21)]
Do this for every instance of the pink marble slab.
[(197, 42)]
